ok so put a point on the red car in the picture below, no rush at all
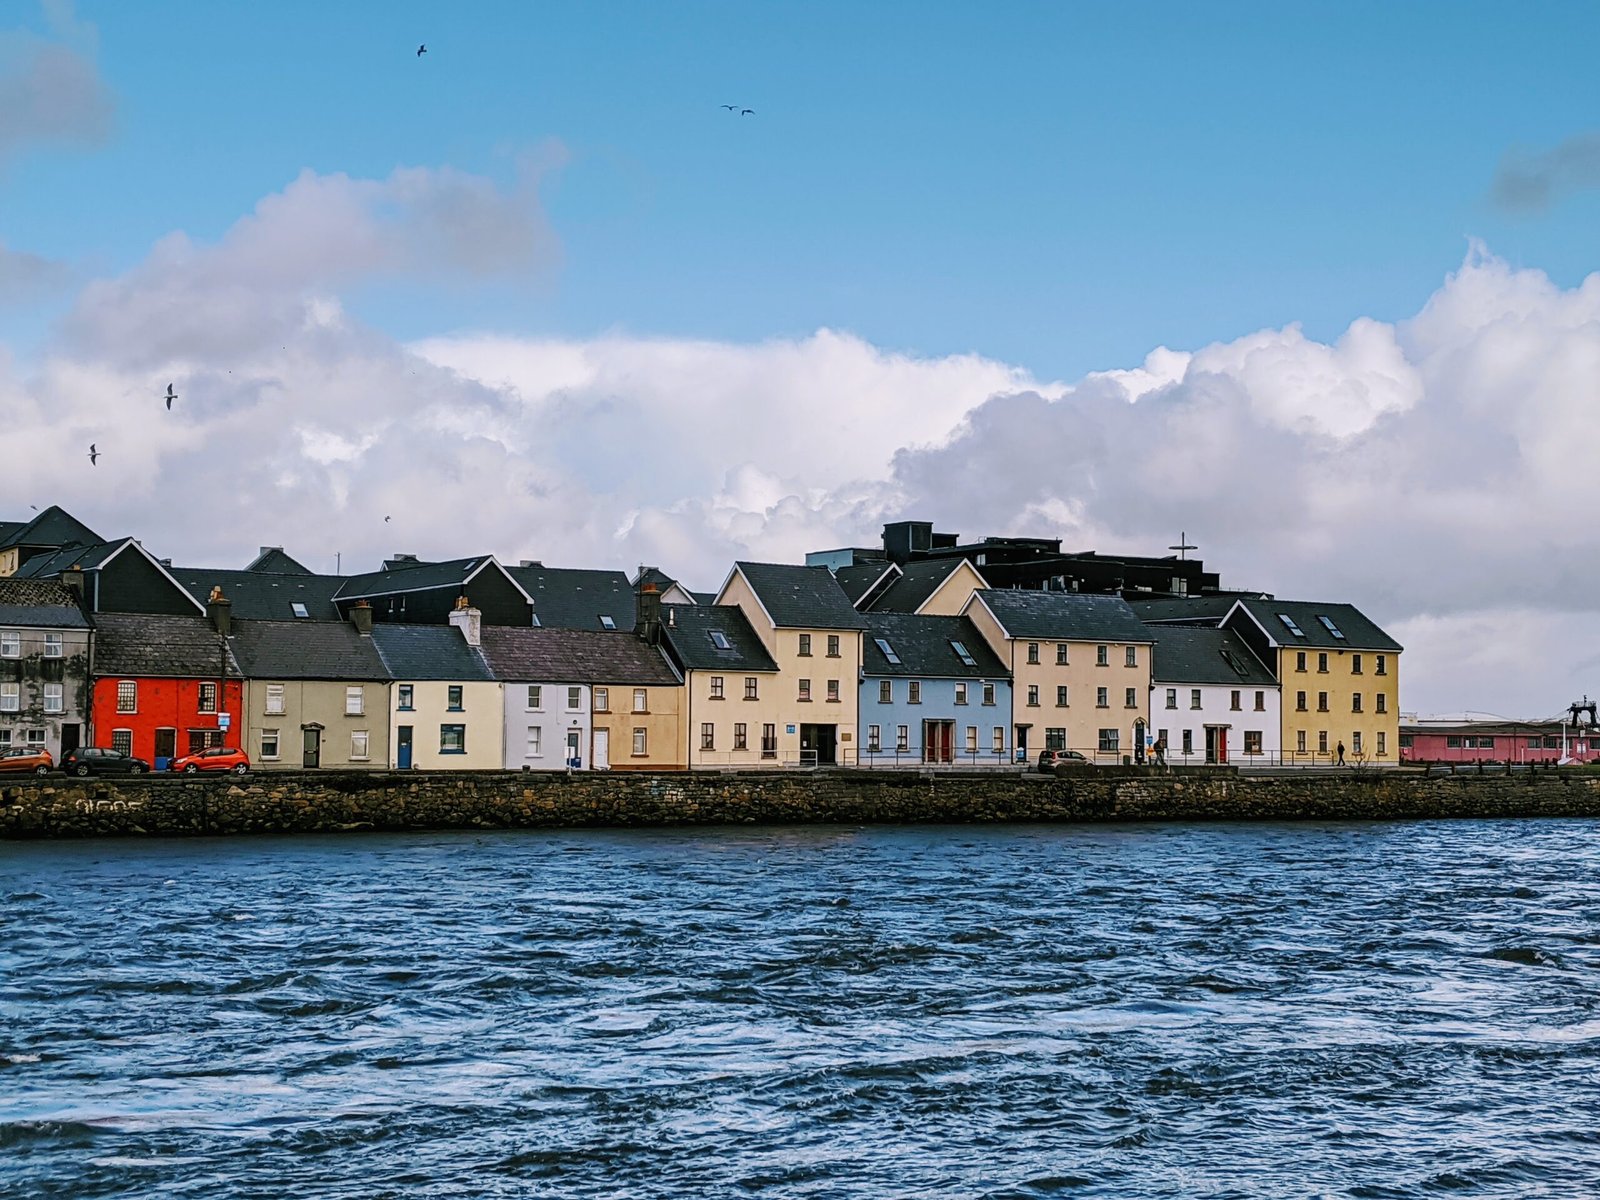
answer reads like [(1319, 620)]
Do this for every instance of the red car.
[(37, 760), (218, 758)]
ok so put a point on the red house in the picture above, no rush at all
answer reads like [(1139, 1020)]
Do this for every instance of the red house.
[(164, 685)]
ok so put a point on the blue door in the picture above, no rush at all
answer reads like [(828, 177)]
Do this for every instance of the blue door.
[(404, 744)]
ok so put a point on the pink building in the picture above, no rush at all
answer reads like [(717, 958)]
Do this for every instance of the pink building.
[(1495, 741)]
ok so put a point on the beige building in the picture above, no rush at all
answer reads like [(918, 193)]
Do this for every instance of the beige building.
[(731, 699), (1080, 670), (446, 706)]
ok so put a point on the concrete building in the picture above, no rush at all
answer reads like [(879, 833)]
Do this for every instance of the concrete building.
[(45, 684)]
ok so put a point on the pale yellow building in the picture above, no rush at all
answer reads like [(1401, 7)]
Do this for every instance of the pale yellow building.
[(446, 712), (732, 706)]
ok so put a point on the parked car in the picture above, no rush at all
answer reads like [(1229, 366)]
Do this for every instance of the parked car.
[(92, 760), (1049, 760), (38, 760), (218, 758)]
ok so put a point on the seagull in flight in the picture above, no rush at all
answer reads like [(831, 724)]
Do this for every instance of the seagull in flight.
[(747, 112), (422, 49), (171, 396), (731, 107), (386, 520), (94, 455)]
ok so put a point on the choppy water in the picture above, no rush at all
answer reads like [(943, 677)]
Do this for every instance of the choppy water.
[(1252, 1011)]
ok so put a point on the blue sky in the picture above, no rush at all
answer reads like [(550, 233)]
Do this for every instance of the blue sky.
[(1058, 186)]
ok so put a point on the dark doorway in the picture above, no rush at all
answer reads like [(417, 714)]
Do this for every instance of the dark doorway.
[(166, 748), (819, 745), (938, 741), (312, 751), (403, 747), (1022, 742), (71, 733)]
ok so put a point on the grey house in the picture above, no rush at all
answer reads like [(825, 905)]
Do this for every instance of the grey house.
[(45, 690)]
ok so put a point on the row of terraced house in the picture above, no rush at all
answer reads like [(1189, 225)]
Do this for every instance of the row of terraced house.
[(923, 652)]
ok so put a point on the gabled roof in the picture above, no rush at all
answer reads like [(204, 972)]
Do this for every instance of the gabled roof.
[(918, 580), (1065, 616), (574, 656), (7, 528), (1313, 618), (170, 647), (424, 577), (273, 561), (923, 646), (94, 558), (305, 650), (1192, 610), (39, 603), (261, 596), (859, 579), (689, 631), (1193, 654), (429, 652), (800, 597), (53, 527), (576, 598)]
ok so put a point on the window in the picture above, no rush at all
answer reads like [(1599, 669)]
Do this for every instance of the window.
[(5, 739), (1102, 698), (1261, 702), (885, 692), (988, 693), (998, 739), (122, 741), (887, 651), (833, 691), (1322, 701), (963, 654), (1300, 741), (1109, 739), (1300, 702), (902, 737), (359, 742), (1355, 664), (1130, 698), (805, 645), (1355, 740), (1484, 743), (972, 739), (269, 743), (641, 741), (1322, 664), (355, 700), (1453, 742), (52, 645), (1172, 697), (1405, 741), (10, 643), (1061, 654), (1327, 623), (535, 742), (769, 741), (10, 697), (53, 699), (1300, 660), (1288, 623), (1055, 739), (452, 697), (1130, 656), (874, 738), (1033, 652), (606, 622), (574, 699), (720, 640), (641, 698), (406, 693), (1102, 656), (452, 739), (1061, 695), (805, 690), (602, 699), (740, 741), (913, 692), (1382, 702), (1380, 667), (1252, 741), (708, 736), (208, 698), (1383, 743), (300, 611), (274, 699), (833, 645), (1322, 742), (1355, 702), (1194, 697), (204, 739), (1033, 695), (961, 693), (1188, 741)]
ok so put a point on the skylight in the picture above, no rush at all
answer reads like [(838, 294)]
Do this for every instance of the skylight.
[(606, 622), (299, 610), (1289, 622), (888, 651), (963, 654), (537, 624), (1233, 661), (720, 640), (1327, 623)]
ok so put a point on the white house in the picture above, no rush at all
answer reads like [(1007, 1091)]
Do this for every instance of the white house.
[(1211, 699)]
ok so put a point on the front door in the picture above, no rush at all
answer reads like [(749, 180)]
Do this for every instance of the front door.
[(818, 745), (311, 755), (1216, 743), (574, 755), (70, 734), (601, 758), (1022, 743), (402, 743), (1138, 741), (938, 741)]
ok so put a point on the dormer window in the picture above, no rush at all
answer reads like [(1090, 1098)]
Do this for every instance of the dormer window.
[(606, 622), (299, 610)]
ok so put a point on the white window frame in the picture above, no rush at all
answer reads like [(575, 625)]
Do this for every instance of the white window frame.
[(641, 700), (533, 746), (355, 701), (535, 698), (10, 643), (54, 645), (273, 705), (269, 737), (10, 697), (55, 700), (574, 699), (641, 741), (360, 745), (602, 699)]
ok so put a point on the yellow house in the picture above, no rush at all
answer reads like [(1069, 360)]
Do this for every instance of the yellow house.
[(1080, 670), (446, 711), (809, 629), (732, 705), (1340, 676)]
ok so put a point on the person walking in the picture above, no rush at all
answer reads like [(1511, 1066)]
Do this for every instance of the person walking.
[(1341, 753)]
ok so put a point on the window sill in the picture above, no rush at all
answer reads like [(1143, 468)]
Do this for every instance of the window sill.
[(452, 752), (718, 698), (640, 712), (803, 700), (361, 758)]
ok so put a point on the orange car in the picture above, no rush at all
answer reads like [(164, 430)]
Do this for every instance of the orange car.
[(218, 758), (37, 760)]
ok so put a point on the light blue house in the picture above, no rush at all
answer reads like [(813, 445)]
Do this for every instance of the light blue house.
[(932, 692)]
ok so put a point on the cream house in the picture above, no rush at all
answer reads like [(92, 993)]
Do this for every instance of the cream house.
[(445, 712), (732, 702)]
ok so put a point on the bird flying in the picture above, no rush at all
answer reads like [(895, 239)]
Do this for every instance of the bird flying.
[(386, 520), (171, 396), (93, 455), (747, 112), (422, 49), (731, 107)]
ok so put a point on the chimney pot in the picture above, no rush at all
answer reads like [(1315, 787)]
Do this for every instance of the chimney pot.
[(469, 621), (361, 617), (220, 609)]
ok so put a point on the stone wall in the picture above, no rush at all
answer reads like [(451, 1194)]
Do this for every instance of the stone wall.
[(304, 802)]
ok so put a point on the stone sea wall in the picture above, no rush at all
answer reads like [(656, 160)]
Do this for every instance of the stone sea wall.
[(308, 802)]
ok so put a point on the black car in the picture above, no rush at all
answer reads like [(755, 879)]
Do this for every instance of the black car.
[(91, 760), (1049, 760)]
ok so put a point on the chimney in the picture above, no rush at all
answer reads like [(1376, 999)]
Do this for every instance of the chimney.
[(361, 617), (469, 620), (220, 609), (72, 578), (647, 612)]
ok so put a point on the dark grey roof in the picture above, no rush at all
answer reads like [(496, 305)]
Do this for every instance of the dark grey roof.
[(859, 578), (1066, 616), (574, 656), (53, 527), (7, 528), (688, 630), (575, 598), (1359, 632), (918, 580), (273, 561), (1194, 610), (922, 644), (87, 558), (1196, 654), (175, 647), (800, 597), (429, 652), (703, 597), (259, 596), (421, 578), (40, 603), (305, 650)]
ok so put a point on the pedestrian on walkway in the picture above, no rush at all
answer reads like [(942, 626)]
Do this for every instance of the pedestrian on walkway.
[(1341, 754)]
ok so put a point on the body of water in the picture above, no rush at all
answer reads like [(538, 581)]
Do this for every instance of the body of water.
[(1363, 1010)]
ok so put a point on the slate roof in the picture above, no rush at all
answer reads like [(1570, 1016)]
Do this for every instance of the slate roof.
[(88, 558), (262, 596), (53, 527), (1359, 632), (858, 579), (703, 597), (1198, 654), (800, 597), (1194, 610), (174, 647), (305, 650), (575, 656), (1066, 616), (688, 629), (429, 652), (7, 528), (575, 598), (39, 603), (918, 580), (922, 644), (273, 561), (423, 577)]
